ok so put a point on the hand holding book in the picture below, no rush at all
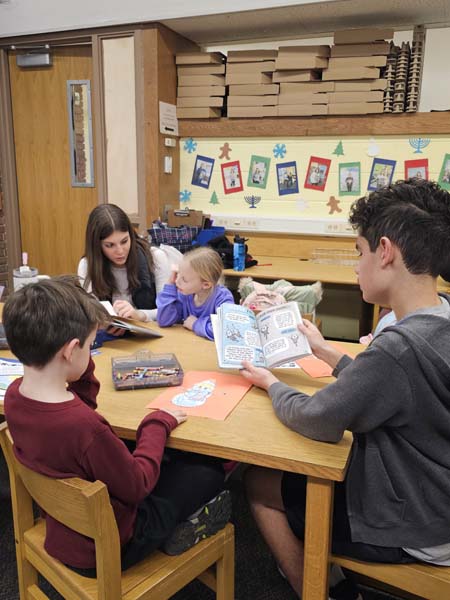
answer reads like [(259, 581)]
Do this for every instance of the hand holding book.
[(268, 339), (329, 353), (126, 324), (258, 376)]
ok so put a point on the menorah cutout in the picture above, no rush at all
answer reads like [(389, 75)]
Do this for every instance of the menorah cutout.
[(252, 201), (419, 143)]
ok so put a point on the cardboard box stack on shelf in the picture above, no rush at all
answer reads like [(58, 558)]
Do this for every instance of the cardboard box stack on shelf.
[(401, 78), (251, 92), (201, 84), (415, 69), (355, 65), (389, 75), (299, 73)]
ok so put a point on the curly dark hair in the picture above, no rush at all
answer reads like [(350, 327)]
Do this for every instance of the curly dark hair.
[(415, 216)]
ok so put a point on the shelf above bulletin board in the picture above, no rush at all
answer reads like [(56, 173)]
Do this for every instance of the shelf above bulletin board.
[(389, 124)]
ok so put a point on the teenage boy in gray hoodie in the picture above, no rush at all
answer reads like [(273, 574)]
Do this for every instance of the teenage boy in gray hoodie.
[(394, 505)]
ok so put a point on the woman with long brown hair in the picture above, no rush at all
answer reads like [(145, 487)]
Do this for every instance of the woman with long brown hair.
[(120, 266)]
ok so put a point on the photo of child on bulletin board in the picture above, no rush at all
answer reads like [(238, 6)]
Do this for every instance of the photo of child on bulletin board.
[(417, 169), (258, 172), (231, 177), (381, 174), (287, 178), (317, 174), (202, 171), (444, 176), (350, 179)]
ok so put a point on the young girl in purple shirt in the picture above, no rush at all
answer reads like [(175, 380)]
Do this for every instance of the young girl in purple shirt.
[(193, 293)]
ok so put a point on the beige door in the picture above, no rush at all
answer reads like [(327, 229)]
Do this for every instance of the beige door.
[(53, 214)]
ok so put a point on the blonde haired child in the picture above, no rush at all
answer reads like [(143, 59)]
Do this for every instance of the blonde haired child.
[(193, 293)]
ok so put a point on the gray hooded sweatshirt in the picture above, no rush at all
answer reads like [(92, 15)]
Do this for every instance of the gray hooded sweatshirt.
[(395, 399)]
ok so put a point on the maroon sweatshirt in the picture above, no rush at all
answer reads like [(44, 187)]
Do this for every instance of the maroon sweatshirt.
[(70, 439)]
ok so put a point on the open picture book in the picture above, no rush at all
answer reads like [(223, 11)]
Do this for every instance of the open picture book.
[(129, 324), (268, 339)]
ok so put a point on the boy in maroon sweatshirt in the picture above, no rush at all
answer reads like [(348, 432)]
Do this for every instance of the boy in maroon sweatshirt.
[(56, 430)]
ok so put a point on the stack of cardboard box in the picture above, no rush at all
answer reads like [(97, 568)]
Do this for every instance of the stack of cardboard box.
[(389, 75), (401, 78), (299, 73), (251, 92), (415, 69), (354, 67), (201, 84)]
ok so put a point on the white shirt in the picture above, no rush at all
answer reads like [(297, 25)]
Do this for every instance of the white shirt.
[(162, 270)]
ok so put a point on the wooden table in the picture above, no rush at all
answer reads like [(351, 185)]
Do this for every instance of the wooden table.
[(251, 434), (298, 270)]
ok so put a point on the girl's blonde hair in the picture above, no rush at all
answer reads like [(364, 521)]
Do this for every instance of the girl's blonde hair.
[(207, 263)]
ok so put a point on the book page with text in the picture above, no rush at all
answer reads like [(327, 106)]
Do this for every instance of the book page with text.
[(237, 336), (280, 337)]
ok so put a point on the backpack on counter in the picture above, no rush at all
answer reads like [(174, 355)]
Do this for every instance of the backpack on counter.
[(222, 245)]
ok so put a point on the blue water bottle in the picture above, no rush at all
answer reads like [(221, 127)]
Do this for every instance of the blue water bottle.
[(238, 253)]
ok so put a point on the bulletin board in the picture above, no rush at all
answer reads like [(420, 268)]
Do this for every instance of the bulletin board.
[(308, 179)]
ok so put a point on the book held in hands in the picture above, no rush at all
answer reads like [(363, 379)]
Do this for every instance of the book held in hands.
[(130, 325), (268, 339)]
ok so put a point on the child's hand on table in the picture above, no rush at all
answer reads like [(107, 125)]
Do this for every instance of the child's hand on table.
[(189, 322), (257, 375), (179, 415)]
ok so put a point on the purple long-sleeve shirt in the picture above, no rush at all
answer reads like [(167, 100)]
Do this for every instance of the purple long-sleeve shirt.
[(174, 307)]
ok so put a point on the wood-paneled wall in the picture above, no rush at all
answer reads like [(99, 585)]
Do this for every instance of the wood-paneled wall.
[(159, 46)]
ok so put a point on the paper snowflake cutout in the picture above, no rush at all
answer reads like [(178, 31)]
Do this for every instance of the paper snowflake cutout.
[(185, 196), (190, 146), (279, 150)]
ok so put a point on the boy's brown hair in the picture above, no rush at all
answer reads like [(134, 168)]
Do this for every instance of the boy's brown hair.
[(41, 317)]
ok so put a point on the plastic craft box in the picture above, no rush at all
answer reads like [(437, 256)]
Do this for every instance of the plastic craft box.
[(146, 370)]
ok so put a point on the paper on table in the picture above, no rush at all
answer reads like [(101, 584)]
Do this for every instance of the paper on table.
[(204, 394), (11, 366), (314, 367)]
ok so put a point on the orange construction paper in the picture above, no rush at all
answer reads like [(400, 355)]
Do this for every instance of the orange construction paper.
[(217, 395), (314, 367)]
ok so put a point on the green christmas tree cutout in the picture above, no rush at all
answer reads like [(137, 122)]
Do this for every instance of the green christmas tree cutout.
[(339, 150), (214, 199)]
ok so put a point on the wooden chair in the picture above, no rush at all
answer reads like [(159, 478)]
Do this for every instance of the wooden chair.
[(85, 507), (424, 580)]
